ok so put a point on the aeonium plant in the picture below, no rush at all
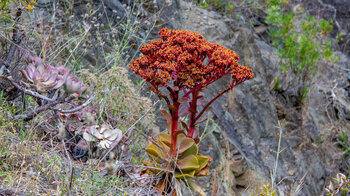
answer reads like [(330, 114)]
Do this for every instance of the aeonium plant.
[(43, 77), (52, 85), (179, 67)]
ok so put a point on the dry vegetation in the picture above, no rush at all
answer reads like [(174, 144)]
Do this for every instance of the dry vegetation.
[(47, 155)]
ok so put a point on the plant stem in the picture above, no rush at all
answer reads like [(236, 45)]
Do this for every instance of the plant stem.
[(174, 121), (193, 112)]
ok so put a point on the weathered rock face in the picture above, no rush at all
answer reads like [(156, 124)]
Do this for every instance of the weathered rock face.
[(250, 115)]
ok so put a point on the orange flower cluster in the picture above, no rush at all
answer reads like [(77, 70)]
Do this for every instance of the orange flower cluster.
[(185, 59)]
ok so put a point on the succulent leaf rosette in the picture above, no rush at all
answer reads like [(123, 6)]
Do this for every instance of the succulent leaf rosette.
[(103, 134), (74, 85), (43, 77), (186, 164)]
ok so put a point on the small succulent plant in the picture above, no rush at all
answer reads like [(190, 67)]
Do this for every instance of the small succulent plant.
[(42, 76), (103, 134), (187, 163), (74, 85)]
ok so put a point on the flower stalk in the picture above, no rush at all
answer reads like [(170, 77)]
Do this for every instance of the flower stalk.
[(176, 62)]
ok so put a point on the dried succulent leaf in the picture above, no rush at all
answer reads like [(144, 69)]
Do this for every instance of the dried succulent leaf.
[(196, 188), (105, 144), (89, 137), (113, 134)]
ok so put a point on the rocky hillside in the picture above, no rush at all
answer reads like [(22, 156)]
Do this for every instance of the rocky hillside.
[(253, 114), (246, 126)]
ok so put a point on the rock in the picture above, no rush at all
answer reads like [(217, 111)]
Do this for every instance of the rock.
[(250, 117), (80, 149), (238, 167), (114, 6)]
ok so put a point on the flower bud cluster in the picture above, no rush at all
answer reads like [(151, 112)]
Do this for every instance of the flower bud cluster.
[(185, 59)]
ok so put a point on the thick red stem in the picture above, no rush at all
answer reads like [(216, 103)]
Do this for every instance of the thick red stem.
[(193, 112), (174, 121)]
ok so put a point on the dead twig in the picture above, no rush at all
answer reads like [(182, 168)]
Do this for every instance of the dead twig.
[(71, 168), (29, 92), (87, 102)]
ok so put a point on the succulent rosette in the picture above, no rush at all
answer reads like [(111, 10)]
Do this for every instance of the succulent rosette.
[(42, 76), (73, 85), (103, 134)]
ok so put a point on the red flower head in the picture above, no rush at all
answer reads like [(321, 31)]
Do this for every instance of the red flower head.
[(186, 60)]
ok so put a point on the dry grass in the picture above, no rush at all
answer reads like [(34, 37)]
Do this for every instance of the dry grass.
[(35, 157)]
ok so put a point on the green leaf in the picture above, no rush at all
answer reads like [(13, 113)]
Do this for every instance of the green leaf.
[(202, 161), (193, 150), (184, 143), (164, 137), (157, 153), (183, 175)]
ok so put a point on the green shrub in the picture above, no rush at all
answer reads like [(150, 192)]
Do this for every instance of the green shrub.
[(221, 6), (300, 38)]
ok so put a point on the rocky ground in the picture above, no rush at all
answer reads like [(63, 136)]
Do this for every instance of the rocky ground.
[(251, 115), (243, 133)]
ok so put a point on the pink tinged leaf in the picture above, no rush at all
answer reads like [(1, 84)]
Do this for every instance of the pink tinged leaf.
[(26, 75), (67, 84), (49, 83), (30, 69), (24, 84), (45, 75), (36, 59), (200, 121), (72, 84), (185, 126), (184, 100), (195, 133), (75, 86), (183, 110), (36, 77), (82, 89), (62, 70), (62, 77), (41, 68), (168, 118)]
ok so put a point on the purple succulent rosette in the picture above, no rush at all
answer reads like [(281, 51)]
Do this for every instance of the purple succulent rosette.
[(43, 77)]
